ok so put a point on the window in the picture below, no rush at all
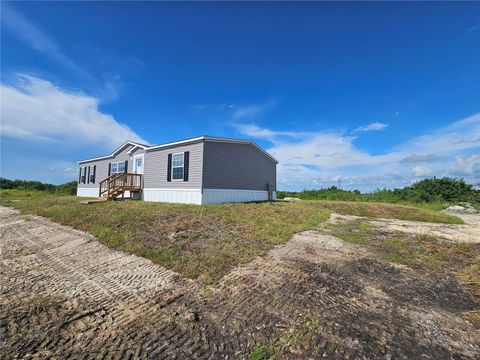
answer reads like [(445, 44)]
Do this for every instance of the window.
[(83, 175), (92, 174), (177, 166), (118, 168)]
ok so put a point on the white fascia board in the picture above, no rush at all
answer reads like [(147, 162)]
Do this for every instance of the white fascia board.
[(114, 153), (182, 142), (132, 149)]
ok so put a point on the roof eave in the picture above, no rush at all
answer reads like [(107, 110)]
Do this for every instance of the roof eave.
[(115, 152)]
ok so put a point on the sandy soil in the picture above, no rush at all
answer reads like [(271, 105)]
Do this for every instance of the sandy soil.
[(63, 295), (468, 232)]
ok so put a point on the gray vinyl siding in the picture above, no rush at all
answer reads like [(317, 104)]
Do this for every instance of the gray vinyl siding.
[(156, 162), (236, 166), (102, 166), (137, 151)]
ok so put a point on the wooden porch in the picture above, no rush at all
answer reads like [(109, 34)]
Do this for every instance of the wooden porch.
[(117, 185)]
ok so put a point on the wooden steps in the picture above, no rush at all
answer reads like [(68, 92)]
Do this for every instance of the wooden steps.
[(118, 184)]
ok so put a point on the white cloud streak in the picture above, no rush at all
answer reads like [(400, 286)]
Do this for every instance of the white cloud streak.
[(33, 36), (374, 126), (251, 111), (253, 130), (107, 85), (36, 110)]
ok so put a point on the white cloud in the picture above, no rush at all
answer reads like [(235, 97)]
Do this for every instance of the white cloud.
[(262, 133), (308, 159), (37, 110), (417, 158), (465, 166), (68, 170), (374, 126), (421, 171)]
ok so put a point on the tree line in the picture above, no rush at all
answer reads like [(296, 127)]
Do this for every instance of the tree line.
[(444, 189), (69, 188)]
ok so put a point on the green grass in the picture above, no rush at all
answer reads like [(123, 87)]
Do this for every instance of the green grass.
[(200, 241), (259, 352), (433, 206)]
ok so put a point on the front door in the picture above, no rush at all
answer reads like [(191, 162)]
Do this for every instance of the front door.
[(138, 164)]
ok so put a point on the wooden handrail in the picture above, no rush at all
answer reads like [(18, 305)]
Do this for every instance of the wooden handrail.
[(117, 184)]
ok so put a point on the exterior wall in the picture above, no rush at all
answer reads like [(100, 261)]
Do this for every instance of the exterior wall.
[(207, 196), (236, 166), (156, 162), (102, 167), (87, 192), (179, 196), (218, 196)]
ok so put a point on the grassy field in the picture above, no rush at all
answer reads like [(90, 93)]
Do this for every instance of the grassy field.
[(202, 242)]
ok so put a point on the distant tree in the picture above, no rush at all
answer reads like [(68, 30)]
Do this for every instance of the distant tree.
[(67, 188)]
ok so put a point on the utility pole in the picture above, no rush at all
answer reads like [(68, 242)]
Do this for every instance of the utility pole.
[(339, 183)]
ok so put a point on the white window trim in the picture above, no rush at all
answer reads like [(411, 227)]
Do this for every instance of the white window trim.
[(135, 164), (116, 172), (183, 166)]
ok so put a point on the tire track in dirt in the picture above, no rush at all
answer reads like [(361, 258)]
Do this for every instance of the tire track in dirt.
[(64, 295)]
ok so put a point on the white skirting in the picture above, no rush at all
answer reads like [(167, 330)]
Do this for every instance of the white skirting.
[(192, 196), (87, 192), (218, 196), (179, 196)]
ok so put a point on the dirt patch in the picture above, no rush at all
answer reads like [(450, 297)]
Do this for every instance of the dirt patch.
[(64, 295), (468, 232)]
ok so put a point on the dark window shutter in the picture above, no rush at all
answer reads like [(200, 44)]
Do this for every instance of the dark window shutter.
[(126, 166), (80, 175), (88, 176), (84, 175), (169, 168), (94, 173), (186, 161), (109, 169)]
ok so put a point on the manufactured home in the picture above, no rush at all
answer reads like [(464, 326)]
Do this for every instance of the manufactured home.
[(201, 170)]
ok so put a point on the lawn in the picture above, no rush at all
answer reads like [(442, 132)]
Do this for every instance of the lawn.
[(202, 242)]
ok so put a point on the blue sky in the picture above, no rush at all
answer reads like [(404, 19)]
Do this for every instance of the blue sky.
[(374, 94)]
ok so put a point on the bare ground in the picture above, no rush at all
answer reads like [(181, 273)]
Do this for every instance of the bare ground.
[(469, 232), (64, 295)]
